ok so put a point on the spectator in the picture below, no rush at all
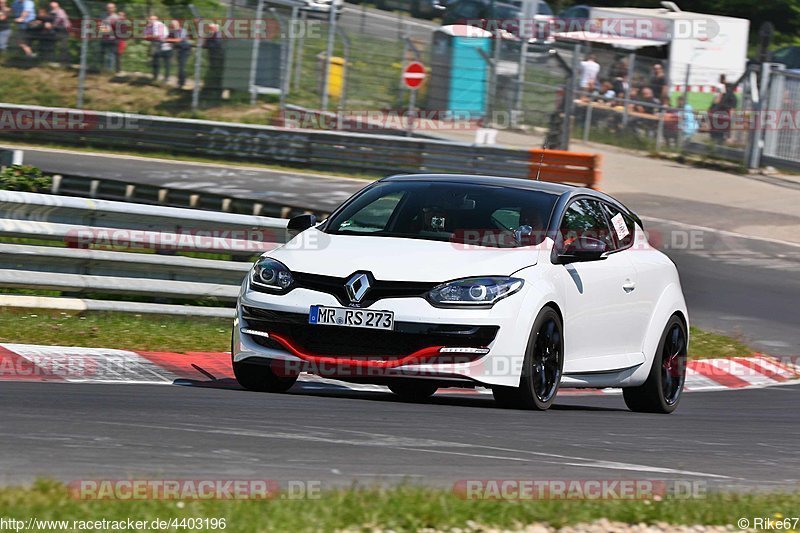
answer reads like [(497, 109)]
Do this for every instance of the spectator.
[(589, 70), (160, 50), (607, 90), (23, 12), (108, 38), (216, 63), (648, 102), (658, 82), (123, 26), (41, 31), (179, 39), (5, 26), (62, 27), (720, 114)]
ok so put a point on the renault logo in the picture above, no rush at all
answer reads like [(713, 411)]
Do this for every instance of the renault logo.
[(357, 287)]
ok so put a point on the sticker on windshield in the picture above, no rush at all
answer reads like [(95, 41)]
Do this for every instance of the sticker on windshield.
[(620, 226)]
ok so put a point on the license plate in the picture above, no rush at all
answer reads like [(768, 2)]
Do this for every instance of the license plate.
[(353, 318)]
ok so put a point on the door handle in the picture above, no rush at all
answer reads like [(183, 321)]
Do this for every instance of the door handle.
[(628, 286)]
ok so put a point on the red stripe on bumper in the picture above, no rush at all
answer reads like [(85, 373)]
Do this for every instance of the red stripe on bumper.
[(418, 357)]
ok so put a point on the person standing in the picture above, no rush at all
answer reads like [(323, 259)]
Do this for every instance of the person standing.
[(179, 39), (5, 26), (160, 50), (589, 71), (212, 84), (23, 12), (61, 27), (108, 38), (658, 82)]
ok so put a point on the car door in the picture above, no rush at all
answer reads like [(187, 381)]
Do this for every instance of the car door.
[(598, 295), (642, 292)]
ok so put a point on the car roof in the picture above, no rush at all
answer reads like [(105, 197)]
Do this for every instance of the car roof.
[(497, 181)]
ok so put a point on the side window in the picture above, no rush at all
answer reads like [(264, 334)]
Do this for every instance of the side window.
[(623, 227), (374, 216), (584, 218)]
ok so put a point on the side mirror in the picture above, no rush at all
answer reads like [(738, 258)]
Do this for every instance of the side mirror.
[(583, 249), (301, 222)]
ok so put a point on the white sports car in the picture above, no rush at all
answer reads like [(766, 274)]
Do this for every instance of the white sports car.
[(421, 282)]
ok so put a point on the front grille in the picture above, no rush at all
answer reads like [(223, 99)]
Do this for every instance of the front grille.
[(379, 290), (407, 337)]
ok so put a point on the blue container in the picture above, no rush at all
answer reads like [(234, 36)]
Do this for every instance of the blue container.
[(459, 73)]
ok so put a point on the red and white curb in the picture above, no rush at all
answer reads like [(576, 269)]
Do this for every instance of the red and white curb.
[(26, 362)]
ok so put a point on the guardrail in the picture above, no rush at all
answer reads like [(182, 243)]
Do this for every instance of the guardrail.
[(99, 248), (319, 149)]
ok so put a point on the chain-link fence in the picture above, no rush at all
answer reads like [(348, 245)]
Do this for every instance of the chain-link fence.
[(271, 56)]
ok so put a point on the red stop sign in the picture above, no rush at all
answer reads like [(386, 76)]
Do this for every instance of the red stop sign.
[(414, 74)]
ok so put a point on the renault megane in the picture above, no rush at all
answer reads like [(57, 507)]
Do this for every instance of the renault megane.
[(421, 282)]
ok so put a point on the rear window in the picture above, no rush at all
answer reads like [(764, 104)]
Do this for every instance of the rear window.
[(481, 215)]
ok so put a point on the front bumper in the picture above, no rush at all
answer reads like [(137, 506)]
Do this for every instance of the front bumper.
[(483, 346)]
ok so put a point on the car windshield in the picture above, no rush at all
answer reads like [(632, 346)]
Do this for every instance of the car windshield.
[(472, 214)]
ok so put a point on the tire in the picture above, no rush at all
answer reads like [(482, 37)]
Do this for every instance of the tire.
[(661, 393), (413, 391), (542, 368)]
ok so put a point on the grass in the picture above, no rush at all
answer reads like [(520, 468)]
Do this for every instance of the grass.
[(706, 345), (180, 334), (118, 330), (404, 508)]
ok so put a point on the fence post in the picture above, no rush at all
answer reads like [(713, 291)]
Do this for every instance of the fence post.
[(629, 81), (343, 96), (198, 60), (660, 130), (757, 146), (290, 53), (587, 123), (254, 55), (298, 64), (569, 97), (86, 16), (523, 62), (328, 55)]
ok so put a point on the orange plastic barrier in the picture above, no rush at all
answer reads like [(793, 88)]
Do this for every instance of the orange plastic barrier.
[(565, 167)]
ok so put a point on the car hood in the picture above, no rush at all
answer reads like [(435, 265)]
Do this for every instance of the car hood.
[(397, 259)]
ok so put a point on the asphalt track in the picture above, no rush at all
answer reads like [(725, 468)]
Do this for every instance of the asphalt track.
[(737, 439)]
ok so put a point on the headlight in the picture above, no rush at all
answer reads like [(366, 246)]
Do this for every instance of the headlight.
[(474, 291), (271, 274)]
